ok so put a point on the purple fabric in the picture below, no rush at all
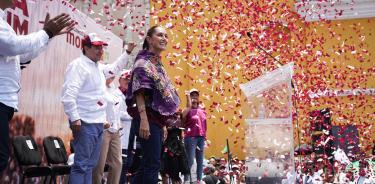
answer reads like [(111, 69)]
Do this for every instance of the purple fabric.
[(149, 74), (195, 124)]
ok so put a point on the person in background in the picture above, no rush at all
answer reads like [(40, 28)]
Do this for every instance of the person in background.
[(212, 160), (307, 177), (14, 50), (134, 154), (152, 102), (194, 120), (174, 158), (110, 152), (84, 103), (126, 125), (211, 175), (224, 173)]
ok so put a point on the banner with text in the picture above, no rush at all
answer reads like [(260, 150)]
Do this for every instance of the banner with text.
[(41, 112)]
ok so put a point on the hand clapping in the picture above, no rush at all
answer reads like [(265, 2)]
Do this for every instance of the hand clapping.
[(58, 25)]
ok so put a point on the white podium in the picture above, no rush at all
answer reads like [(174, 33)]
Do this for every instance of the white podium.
[(269, 126)]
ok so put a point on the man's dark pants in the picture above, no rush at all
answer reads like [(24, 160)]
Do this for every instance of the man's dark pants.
[(6, 114)]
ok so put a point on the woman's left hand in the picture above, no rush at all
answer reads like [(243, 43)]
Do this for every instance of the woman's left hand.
[(165, 133)]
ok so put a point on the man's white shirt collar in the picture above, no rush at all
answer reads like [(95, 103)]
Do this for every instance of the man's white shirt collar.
[(88, 60)]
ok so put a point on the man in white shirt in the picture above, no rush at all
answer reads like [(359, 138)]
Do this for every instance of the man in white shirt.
[(15, 50), (111, 146), (85, 104)]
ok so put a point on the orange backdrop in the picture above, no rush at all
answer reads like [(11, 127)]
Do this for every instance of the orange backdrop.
[(209, 50)]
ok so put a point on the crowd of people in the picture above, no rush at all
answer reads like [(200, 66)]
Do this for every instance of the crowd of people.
[(318, 169), (309, 169), (220, 171)]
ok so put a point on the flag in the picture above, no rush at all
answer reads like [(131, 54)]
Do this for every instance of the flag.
[(225, 150)]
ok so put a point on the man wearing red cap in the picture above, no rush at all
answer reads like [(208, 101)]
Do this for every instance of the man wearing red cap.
[(85, 104), (15, 50)]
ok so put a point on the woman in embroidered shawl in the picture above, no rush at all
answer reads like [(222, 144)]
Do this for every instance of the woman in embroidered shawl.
[(152, 102)]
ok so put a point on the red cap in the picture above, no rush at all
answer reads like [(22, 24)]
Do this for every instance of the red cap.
[(93, 39)]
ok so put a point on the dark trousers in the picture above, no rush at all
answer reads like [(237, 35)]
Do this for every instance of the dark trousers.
[(126, 160), (6, 114), (151, 149), (131, 150)]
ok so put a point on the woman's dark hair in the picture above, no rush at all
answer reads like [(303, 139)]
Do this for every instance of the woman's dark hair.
[(151, 31)]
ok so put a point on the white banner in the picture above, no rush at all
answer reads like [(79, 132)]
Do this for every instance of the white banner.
[(42, 79)]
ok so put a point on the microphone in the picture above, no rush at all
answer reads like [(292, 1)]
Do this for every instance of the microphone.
[(268, 54), (261, 48)]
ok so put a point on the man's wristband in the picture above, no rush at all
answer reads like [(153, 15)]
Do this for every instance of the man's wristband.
[(49, 33)]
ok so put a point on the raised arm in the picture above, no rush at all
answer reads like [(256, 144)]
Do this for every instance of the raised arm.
[(116, 67), (187, 108), (31, 55), (13, 45)]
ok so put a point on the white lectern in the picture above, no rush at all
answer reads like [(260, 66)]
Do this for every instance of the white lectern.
[(269, 133)]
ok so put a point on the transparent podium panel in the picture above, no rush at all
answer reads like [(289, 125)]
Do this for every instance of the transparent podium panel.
[(269, 127)]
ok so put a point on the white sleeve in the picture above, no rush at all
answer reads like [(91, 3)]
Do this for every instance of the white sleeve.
[(123, 111), (31, 55), (110, 111), (74, 79), (13, 45), (124, 116), (116, 67)]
